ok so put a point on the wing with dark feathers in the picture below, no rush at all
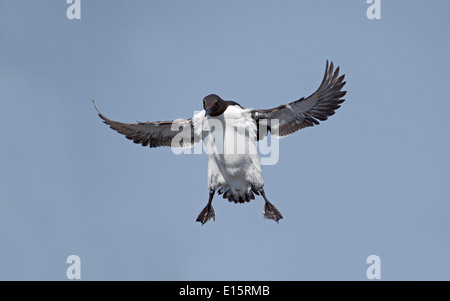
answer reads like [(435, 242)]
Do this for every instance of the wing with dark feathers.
[(155, 134), (304, 112)]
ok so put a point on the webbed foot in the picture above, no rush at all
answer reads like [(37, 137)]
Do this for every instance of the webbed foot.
[(206, 215)]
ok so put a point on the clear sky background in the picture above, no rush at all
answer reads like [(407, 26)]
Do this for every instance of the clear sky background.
[(372, 180)]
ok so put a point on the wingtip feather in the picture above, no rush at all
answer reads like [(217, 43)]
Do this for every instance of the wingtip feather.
[(95, 107)]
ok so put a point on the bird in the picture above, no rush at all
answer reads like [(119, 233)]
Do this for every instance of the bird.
[(237, 176)]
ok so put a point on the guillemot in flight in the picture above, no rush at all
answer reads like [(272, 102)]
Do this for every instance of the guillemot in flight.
[(237, 175)]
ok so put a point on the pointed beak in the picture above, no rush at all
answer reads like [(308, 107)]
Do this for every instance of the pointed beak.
[(208, 111)]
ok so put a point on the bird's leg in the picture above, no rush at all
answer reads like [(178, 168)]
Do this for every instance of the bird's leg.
[(270, 211), (207, 213)]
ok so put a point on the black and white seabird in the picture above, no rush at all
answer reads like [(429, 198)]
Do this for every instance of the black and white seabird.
[(237, 175)]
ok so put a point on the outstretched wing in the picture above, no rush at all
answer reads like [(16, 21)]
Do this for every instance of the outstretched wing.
[(177, 133), (304, 112)]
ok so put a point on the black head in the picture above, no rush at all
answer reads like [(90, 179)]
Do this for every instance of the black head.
[(214, 105)]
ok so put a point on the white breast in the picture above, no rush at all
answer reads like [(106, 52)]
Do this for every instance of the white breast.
[(230, 141)]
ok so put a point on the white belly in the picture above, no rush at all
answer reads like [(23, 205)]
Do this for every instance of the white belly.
[(233, 162)]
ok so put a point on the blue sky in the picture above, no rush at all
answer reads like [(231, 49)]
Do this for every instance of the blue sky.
[(372, 180)]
